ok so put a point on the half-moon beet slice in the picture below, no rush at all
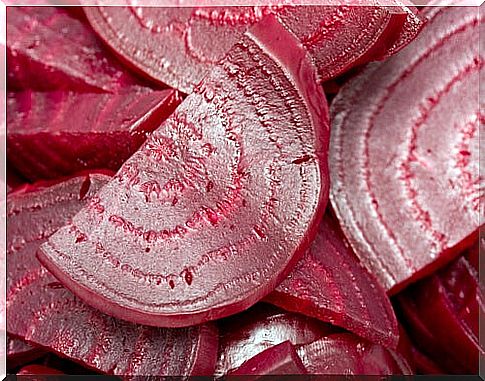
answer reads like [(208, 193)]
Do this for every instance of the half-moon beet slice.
[(217, 206), (179, 46), (72, 132), (404, 152), (41, 311), (330, 284), (50, 49)]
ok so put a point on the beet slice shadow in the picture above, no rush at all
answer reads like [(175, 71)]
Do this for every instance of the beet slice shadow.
[(77, 131), (404, 152), (43, 312), (179, 46), (330, 284), (50, 49), (176, 237)]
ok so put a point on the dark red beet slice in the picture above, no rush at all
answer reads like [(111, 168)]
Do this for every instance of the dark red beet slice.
[(280, 359), (397, 183), (41, 311), (74, 131), (473, 253), (425, 365), (37, 370), (348, 354), (14, 180), (245, 335), (179, 46), (330, 284), (19, 352), (49, 49), (238, 170)]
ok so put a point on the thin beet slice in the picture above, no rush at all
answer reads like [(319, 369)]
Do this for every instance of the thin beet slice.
[(404, 152), (330, 284), (179, 46), (37, 370), (19, 352), (348, 354), (280, 359), (41, 311), (75, 131), (216, 207), (50, 49), (246, 335)]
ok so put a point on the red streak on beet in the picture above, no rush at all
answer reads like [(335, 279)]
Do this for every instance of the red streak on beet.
[(50, 49), (72, 132), (404, 152), (167, 249), (330, 284)]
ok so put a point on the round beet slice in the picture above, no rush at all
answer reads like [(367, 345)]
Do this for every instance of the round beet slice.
[(217, 206), (179, 46), (330, 284), (404, 152)]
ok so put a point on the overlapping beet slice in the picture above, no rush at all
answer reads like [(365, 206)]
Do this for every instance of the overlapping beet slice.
[(179, 46), (330, 284), (37, 370), (40, 310), (19, 352), (215, 208), (80, 131), (404, 152), (48, 48)]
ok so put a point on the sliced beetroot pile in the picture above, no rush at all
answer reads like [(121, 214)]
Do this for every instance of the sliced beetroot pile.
[(176, 237), (179, 47), (80, 131), (404, 152), (330, 284), (40, 310), (48, 48)]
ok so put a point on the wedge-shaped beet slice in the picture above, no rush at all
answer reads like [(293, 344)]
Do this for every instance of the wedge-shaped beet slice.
[(280, 359), (348, 354), (50, 49), (404, 152), (78, 131), (19, 352), (330, 284), (41, 311), (179, 46), (216, 207), (247, 334)]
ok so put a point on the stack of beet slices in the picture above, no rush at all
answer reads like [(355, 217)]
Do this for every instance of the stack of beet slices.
[(169, 178)]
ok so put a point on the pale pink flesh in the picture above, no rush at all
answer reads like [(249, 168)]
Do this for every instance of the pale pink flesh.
[(406, 189)]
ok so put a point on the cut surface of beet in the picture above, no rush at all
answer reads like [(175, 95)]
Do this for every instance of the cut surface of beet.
[(330, 284), (41, 311), (49, 49), (72, 132), (179, 46), (406, 189), (216, 207)]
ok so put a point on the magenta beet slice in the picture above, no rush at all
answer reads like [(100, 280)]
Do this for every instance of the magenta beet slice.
[(37, 370), (50, 49), (246, 335), (202, 222), (179, 46), (280, 359), (330, 284), (398, 182), (41, 311), (19, 352), (348, 354), (75, 131)]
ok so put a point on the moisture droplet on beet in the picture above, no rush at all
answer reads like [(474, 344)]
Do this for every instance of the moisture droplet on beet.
[(404, 191), (330, 284), (41, 311), (257, 124), (75, 131)]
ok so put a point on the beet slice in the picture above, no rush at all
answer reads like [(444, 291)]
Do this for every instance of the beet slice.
[(330, 284), (177, 237), (37, 370), (41, 311), (19, 352), (76, 131), (280, 359), (179, 46), (348, 354), (397, 183), (50, 49)]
